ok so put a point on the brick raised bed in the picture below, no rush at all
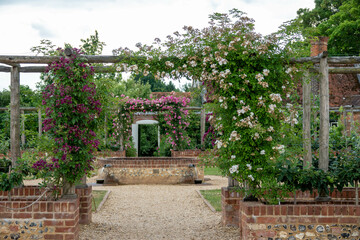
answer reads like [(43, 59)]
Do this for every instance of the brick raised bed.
[(46, 219), (339, 219), (151, 170)]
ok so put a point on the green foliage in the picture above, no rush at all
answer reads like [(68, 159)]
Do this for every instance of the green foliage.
[(148, 139), (92, 45), (343, 29), (337, 19), (156, 85)]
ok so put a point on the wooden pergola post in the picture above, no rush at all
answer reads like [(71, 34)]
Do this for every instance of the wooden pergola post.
[(23, 128), (39, 122), (324, 121), (324, 113), (15, 115), (202, 127), (307, 121)]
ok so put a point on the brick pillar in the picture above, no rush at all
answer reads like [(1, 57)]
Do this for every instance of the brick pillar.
[(230, 204), (85, 196), (318, 46)]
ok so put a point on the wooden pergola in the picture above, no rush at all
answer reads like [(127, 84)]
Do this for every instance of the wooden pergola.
[(13, 64)]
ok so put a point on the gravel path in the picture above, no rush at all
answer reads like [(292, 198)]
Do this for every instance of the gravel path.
[(157, 212)]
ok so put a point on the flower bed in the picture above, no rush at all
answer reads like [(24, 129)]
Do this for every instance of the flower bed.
[(305, 220), (46, 219)]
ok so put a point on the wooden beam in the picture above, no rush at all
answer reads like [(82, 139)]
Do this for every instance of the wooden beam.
[(21, 108), (307, 121), (5, 69), (331, 60), (339, 70), (7, 59), (324, 113), (15, 115)]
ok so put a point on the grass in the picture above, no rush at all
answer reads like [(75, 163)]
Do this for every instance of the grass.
[(213, 197), (212, 171), (98, 196)]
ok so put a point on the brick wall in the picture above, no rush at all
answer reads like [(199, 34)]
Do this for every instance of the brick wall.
[(152, 170), (307, 219), (46, 219), (186, 153)]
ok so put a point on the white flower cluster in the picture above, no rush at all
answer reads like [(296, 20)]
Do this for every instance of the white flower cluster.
[(261, 101), (275, 97), (262, 152), (272, 108), (169, 64), (249, 166), (247, 122), (243, 110), (218, 144), (251, 177), (234, 136), (279, 148), (234, 169), (256, 136)]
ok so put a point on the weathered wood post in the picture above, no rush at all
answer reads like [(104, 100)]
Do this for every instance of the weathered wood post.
[(23, 128), (324, 119), (105, 130), (202, 127), (39, 122), (15, 115), (307, 121)]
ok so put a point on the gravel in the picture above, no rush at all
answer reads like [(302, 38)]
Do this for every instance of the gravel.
[(157, 212)]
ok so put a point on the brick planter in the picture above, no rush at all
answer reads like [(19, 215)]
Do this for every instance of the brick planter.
[(151, 170), (338, 219), (46, 219)]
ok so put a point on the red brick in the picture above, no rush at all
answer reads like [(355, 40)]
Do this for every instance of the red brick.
[(53, 223), (327, 220), (64, 207), (348, 220), (263, 210), (54, 236), (50, 207), (324, 210), (290, 210), (64, 215), (267, 220), (310, 210), (22, 215), (277, 210), (5, 215), (43, 215), (283, 210), (296, 210), (256, 210), (64, 229), (270, 210), (317, 210), (43, 207), (331, 210)]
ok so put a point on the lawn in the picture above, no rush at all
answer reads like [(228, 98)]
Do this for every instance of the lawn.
[(212, 171), (98, 196), (213, 197)]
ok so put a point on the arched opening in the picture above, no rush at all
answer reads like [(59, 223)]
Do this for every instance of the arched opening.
[(146, 137)]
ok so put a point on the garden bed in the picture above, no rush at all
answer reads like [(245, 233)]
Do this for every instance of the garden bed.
[(45, 219), (307, 219)]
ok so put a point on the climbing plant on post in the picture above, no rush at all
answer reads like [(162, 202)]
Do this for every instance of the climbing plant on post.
[(72, 108)]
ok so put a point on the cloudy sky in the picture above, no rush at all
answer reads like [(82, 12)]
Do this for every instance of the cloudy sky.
[(120, 23)]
